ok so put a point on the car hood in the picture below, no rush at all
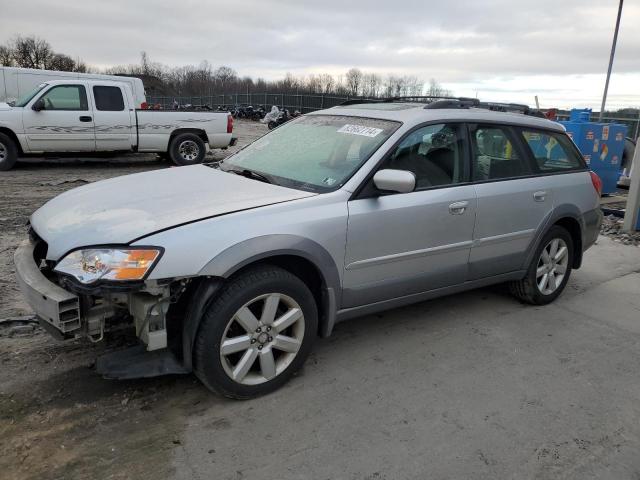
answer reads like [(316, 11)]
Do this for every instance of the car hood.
[(122, 209)]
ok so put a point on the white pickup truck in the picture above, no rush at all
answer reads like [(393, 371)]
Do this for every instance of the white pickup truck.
[(100, 116)]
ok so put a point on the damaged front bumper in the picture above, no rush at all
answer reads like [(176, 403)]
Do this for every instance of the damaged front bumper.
[(68, 314)]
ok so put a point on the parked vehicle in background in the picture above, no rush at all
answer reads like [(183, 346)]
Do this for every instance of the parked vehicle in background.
[(276, 117), (101, 116), (234, 269), (17, 82)]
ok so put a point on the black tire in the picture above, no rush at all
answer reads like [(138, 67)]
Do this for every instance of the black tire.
[(527, 289), (272, 125), (8, 153), (197, 149), (208, 364)]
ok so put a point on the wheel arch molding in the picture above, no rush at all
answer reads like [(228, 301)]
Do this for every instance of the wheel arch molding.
[(260, 250), (569, 217)]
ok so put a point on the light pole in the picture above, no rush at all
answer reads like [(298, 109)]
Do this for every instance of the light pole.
[(613, 53)]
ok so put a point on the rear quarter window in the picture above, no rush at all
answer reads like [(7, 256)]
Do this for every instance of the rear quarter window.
[(553, 152), (108, 99)]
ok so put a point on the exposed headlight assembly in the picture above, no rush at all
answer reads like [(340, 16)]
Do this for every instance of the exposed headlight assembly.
[(116, 264)]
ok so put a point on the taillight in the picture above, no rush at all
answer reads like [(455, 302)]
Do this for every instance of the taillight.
[(144, 105), (229, 124), (597, 183)]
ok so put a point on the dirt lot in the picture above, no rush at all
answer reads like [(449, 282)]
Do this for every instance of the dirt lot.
[(471, 386), (57, 418)]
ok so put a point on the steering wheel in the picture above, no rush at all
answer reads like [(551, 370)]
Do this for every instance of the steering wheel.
[(48, 103)]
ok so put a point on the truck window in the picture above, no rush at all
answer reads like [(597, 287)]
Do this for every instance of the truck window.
[(108, 99), (66, 97)]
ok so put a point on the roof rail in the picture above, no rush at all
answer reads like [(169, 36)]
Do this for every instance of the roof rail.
[(461, 102), (441, 102)]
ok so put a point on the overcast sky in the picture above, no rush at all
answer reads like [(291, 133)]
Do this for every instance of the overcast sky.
[(507, 50)]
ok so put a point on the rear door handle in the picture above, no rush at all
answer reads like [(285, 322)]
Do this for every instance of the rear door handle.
[(458, 208), (85, 119), (540, 196)]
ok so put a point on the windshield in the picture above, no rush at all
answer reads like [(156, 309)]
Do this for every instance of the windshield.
[(315, 152), (22, 101)]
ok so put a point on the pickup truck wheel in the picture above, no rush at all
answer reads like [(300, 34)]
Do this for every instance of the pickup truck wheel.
[(8, 153), (187, 149), (256, 333), (549, 270)]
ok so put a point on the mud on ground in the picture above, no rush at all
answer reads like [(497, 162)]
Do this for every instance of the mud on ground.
[(58, 419)]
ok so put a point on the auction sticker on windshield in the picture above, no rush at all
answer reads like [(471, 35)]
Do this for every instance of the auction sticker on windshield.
[(360, 130)]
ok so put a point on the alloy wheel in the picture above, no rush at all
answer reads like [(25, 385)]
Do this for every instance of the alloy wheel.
[(3, 152), (552, 266), (262, 339)]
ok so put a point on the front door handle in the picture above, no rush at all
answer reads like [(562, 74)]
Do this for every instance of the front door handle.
[(540, 196), (458, 208), (85, 118)]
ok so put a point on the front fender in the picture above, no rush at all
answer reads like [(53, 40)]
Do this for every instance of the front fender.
[(229, 261)]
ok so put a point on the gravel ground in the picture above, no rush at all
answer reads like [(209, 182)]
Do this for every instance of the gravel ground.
[(471, 386), (57, 418)]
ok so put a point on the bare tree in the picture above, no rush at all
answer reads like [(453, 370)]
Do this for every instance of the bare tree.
[(326, 83), (31, 52), (60, 62), (6, 56), (225, 75), (354, 81), (371, 84), (437, 90)]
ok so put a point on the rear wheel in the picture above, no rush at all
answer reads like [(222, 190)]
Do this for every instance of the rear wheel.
[(272, 125), (549, 270), (256, 334), (8, 152), (187, 149)]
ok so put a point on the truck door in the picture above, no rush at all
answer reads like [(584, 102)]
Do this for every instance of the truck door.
[(61, 122), (114, 127)]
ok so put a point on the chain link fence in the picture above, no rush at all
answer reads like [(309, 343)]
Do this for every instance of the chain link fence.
[(306, 103), (303, 103)]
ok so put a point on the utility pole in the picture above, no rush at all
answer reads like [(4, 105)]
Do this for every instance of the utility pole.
[(613, 53)]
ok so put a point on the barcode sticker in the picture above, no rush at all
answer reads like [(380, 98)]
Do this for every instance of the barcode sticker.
[(360, 130)]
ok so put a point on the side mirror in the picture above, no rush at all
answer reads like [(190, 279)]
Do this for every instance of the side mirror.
[(400, 181), (38, 105)]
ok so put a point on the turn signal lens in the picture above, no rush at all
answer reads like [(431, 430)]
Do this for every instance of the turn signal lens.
[(95, 264)]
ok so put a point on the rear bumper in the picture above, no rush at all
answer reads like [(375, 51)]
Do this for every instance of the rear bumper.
[(220, 140), (52, 304), (592, 222)]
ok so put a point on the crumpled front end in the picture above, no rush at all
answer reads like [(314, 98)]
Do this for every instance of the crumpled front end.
[(67, 309)]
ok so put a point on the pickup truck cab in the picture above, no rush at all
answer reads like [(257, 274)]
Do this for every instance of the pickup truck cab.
[(100, 116)]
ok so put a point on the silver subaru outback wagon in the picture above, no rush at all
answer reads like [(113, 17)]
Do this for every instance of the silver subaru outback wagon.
[(232, 270)]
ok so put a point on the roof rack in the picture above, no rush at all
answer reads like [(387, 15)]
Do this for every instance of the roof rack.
[(440, 102)]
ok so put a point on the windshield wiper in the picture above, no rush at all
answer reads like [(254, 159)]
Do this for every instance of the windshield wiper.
[(245, 172)]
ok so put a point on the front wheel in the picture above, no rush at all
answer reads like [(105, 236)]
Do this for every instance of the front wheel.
[(256, 334), (549, 270), (8, 153), (272, 125), (187, 149)]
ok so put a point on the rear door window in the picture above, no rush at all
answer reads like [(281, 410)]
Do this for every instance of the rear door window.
[(496, 154), (553, 152), (108, 99)]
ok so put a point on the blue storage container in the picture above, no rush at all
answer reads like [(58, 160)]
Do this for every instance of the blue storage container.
[(601, 144)]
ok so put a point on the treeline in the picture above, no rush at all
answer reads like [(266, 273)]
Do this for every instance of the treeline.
[(34, 52), (204, 79)]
